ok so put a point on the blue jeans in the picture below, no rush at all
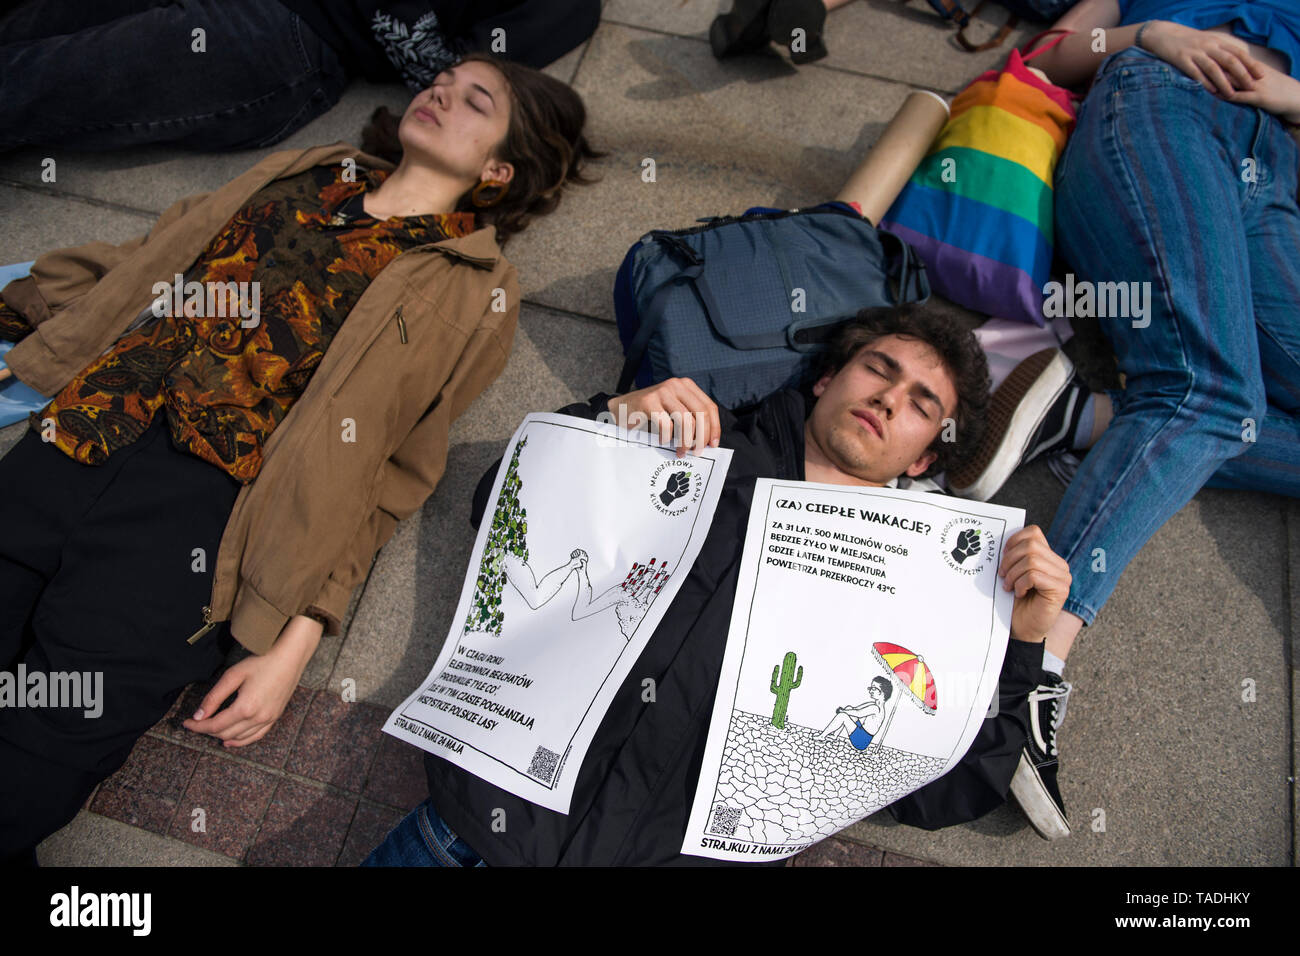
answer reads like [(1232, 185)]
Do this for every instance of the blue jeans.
[(120, 73), (1163, 182), (423, 839)]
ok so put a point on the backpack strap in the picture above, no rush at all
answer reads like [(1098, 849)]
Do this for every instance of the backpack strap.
[(654, 310), (1026, 57), (998, 38)]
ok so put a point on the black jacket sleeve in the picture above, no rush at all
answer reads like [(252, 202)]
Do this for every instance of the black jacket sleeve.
[(979, 783)]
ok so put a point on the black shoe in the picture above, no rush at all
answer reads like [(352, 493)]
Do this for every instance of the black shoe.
[(786, 16), (743, 30), (1035, 412), (1034, 785)]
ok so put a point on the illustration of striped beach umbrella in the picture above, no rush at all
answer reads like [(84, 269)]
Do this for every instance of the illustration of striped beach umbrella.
[(911, 673)]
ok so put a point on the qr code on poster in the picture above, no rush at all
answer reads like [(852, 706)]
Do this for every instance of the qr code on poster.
[(543, 765), (725, 820)]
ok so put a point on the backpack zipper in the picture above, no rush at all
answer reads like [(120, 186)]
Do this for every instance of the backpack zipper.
[(723, 220)]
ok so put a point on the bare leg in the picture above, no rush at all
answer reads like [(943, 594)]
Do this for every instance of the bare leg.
[(840, 724), (834, 4), (1061, 635), (1105, 411)]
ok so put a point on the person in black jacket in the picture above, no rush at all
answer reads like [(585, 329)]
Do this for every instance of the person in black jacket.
[(890, 383)]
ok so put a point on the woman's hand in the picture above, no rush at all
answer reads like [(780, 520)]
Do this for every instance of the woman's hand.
[(1041, 579), (1275, 93), (662, 407), (264, 684), (1219, 62)]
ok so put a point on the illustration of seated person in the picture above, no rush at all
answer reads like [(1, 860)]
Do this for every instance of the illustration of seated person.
[(854, 721), (630, 599), (535, 592)]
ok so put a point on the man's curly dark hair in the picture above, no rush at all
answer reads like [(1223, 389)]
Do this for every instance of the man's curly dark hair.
[(957, 349)]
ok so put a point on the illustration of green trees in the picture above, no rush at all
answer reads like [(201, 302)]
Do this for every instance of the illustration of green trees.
[(507, 535), (782, 688)]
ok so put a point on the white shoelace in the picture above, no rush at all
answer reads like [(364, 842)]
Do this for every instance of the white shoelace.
[(1058, 695), (1064, 466)]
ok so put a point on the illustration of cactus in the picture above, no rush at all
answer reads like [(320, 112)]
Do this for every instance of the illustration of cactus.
[(507, 535), (782, 688)]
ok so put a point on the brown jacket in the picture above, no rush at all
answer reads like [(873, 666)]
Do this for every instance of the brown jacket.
[(364, 445)]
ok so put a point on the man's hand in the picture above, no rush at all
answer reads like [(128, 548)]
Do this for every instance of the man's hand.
[(1219, 62), (661, 407), (1041, 579), (264, 686)]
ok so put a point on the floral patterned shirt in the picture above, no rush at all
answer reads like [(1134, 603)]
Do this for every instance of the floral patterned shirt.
[(228, 366)]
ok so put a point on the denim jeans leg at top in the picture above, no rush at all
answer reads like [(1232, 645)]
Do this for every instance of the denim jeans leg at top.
[(1163, 182), (120, 73), (423, 839)]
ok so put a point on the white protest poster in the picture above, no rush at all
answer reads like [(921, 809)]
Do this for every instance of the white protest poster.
[(865, 645), (586, 538)]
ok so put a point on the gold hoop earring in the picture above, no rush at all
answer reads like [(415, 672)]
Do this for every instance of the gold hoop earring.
[(476, 198)]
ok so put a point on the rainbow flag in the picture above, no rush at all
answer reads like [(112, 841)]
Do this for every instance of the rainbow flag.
[(978, 209)]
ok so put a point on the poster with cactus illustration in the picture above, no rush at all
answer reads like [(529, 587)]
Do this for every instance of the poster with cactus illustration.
[(864, 650), (587, 536)]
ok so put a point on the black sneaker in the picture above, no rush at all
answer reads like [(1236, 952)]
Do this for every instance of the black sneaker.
[(1035, 412), (743, 30), (1034, 784), (786, 16)]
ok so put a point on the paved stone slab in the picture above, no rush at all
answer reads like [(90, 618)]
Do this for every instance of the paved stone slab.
[(1293, 576), (723, 137), (1158, 737), (9, 436), (93, 840), (411, 594), (52, 221), (906, 42)]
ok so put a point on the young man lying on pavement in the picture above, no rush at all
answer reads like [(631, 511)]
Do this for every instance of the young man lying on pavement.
[(875, 418)]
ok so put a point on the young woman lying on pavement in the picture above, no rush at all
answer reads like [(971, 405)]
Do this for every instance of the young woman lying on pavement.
[(208, 478), (1181, 173)]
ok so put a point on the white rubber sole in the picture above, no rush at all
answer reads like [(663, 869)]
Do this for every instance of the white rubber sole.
[(1043, 813), (1029, 411)]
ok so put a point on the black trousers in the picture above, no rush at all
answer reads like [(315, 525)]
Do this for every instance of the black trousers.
[(118, 73), (104, 572)]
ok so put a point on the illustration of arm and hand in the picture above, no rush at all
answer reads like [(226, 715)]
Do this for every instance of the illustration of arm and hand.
[(534, 592)]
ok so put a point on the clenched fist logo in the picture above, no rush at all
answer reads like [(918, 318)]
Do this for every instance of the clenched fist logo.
[(678, 484), (968, 542)]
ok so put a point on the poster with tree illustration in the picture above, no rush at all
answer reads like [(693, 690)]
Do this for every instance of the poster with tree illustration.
[(586, 537)]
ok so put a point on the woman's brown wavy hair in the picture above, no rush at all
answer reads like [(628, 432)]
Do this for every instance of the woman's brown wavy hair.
[(544, 143)]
